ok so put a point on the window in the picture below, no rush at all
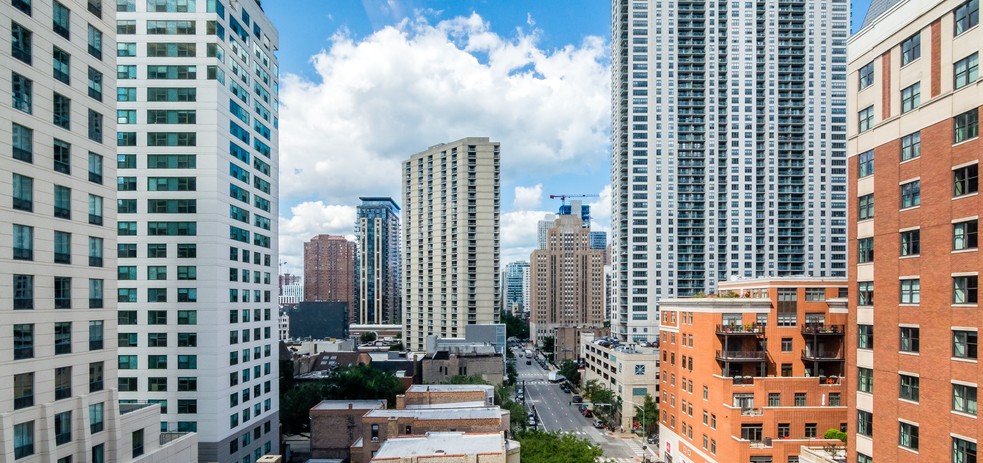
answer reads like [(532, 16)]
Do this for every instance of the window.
[(910, 242), (95, 251), (137, 443), (187, 339), (95, 42), (157, 384), (23, 390), (865, 336), (964, 235), (63, 202), (95, 334), (910, 97), (63, 338), (95, 126), (967, 16), (966, 70), (126, 49), (61, 65), (157, 272), (23, 292), (95, 210), (20, 42), (187, 384), (908, 435), (964, 399), (63, 428), (965, 180), (127, 339), (95, 169), (63, 383), (23, 439), (63, 293), (810, 431), (98, 453), (865, 250), (865, 423), (774, 400), (865, 164), (966, 126), (126, 138), (911, 291), (964, 289), (865, 293), (911, 146), (187, 406), (865, 380), (911, 194), (786, 370), (157, 362), (60, 19), (23, 5), (95, 293), (23, 341), (187, 317), (62, 111), (22, 141), (800, 399), (157, 317), (911, 49), (95, 84), (834, 399), (786, 344), (95, 376), (23, 193), (908, 388), (21, 92), (964, 344), (963, 451), (909, 339), (96, 417), (865, 119), (187, 362)]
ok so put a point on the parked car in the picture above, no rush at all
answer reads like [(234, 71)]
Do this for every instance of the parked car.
[(653, 439), (587, 413), (598, 424), (564, 388), (577, 399), (528, 362), (532, 421)]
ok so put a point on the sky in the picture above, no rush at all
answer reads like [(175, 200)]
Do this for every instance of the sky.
[(366, 84)]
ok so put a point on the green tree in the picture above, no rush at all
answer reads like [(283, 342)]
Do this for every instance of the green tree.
[(367, 337), (356, 382), (649, 420), (605, 403), (465, 379), (515, 326), (570, 371), (544, 447), (549, 345)]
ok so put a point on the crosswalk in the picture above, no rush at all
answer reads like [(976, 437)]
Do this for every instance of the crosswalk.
[(635, 446), (618, 460)]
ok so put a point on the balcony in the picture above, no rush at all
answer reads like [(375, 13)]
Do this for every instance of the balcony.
[(831, 380), (820, 356), (823, 329), (752, 412), (742, 355), (733, 329), (742, 380)]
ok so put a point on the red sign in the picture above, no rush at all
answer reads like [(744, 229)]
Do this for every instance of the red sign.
[(668, 448)]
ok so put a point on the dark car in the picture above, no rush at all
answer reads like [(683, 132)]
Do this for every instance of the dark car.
[(564, 388), (653, 439), (577, 399), (528, 362), (587, 413)]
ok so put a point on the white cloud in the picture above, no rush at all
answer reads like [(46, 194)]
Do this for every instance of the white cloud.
[(381, 98), (307, 220), (519, 234), (528, 197), (600, 210), (403, 88)]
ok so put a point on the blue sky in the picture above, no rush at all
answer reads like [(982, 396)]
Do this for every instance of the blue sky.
[(365, 84)]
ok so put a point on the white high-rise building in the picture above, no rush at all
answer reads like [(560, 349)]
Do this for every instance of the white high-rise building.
[(451, 204), (58, 365), (197, 177), (728, 147)]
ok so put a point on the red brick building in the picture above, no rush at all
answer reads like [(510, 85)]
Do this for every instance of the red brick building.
[(914, 98), (754, 374), (329, 271)]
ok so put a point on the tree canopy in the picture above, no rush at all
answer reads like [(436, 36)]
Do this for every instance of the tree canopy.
[(356, 382), (515, 326), (570, 371), (544, 447)]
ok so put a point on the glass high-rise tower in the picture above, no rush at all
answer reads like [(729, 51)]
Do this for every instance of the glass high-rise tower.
[(378, 267), (197, 167), (728, 147)]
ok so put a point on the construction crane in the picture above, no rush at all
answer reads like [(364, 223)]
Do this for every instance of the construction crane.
[(563, 197)]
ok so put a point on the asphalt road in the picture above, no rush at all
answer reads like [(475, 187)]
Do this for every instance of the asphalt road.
[(555, 413)]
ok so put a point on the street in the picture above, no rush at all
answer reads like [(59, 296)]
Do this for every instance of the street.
[(554, 413)]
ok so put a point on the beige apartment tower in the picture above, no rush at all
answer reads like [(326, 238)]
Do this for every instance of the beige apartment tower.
[(566, 280), (451, 203)]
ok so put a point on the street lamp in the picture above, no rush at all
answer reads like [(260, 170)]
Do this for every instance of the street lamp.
[(642, 407)]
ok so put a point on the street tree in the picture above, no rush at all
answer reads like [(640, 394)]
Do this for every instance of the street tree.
[(543, 447), (570, 371)]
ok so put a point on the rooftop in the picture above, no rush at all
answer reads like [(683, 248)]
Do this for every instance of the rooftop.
[(350, 404), (450, 388), (476, 404), (457, 413), (441, 443)]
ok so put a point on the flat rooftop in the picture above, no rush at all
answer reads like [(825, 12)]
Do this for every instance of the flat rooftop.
[(458, 413), (441, 443), (478, 404), (350, 404), (419, 388)]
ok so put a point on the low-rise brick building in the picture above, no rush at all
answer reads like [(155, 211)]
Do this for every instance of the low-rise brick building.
[(381, 425), (337, 424), (449, 447), (468, 360), (446, 394)]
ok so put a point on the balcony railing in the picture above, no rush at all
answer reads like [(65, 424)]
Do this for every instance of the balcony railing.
[(808, 354), (831, 380), (742, 380), (752, 412), (753, 329), (823, 329), (741, 355), (167, 437)]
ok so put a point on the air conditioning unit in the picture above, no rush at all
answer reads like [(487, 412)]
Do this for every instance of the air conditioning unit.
[(767, 441)]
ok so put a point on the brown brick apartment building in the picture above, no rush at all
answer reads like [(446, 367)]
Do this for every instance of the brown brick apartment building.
[(754, 376), (914, 98), (329, 271)]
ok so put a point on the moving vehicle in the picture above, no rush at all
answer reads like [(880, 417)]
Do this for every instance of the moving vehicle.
[(532, 421), (555, 376), (528, 353), (598, 424)]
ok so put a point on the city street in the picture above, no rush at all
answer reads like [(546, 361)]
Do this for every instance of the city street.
[(554, 413)]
